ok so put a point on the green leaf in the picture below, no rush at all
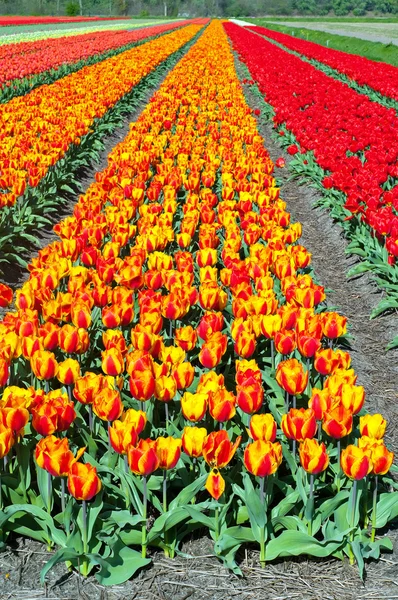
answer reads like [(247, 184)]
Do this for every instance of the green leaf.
[(122, 565), (62, 555), (386, 304), (188, 493), (296, 543), (166, 521), (386, 509)]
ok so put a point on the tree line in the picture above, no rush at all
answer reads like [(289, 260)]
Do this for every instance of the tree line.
[(192, 8)]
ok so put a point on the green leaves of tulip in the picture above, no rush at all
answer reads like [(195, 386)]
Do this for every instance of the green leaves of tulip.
[(295, 543)]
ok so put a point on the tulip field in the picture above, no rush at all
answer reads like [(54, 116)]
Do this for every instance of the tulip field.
[(170, 368)]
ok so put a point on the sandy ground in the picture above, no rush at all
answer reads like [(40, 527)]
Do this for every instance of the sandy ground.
[(386, 33)]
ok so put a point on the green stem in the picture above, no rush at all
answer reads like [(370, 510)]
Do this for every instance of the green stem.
[(365, 504), (312, 504), (85, 538), (272, 355), (63, 494), (264, 502), (352, 524), (49, 492), (144, 514), (18, 450), (338, 481), (167, 552), (374, 510), (216, 523)]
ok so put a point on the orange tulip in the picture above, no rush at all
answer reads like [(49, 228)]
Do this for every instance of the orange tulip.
[(80, 314), (192, 440), (44, 364), (262, 458), (165, 388), (186, 338), (112, 362), (380, 456), (143, 459), (285, 341), (142, 385), (218, 450), (83, 481), (333, 325), (337, 422), (326, 361), (372, 426), (107, 404), (263, 427), (352, 397), (215, 484), (194, 406), (6, 440), (291, 376), (210, 323), (250, 396), (122, 434), (168, 451), (320, 402), (213, 350), (54, 455), (356, 462), (222, 405), (299, 424), (68, 371), (87, 387), (183, 375), (52, 412), (245, 344), (137, 418), (313, 456)]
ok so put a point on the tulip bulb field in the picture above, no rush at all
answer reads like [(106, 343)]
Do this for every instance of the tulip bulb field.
[(170, 367)]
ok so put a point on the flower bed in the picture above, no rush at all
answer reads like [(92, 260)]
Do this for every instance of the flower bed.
[(379, 76), (6, 21), (39, 127), (29, 58), (171, 356)]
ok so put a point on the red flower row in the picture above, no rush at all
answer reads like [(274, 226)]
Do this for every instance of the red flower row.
[(382, 77), (351, 137), (21, 20)]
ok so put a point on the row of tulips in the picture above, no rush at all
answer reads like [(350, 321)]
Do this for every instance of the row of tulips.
[(7, 21), (351, 138), (39, 127), (381, 77), (29, 58), (176, 327)]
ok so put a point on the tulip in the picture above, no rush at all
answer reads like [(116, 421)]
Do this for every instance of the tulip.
[(210, 323), (215, 485), (373, 426), (6, 440), (122, 434), (107, 404), (213, 350), (142, 385), (299, 424), (87, 387), (143, 459), (165, 388), (14, 418), (218, 450), (334, 325), (313, 456), (262, 458), (352, 397), (80, 314), (192, 440), (112, 362), (291, 376), (83, 481), (194, 406), (6, 294), (380, 456), (263, 427), (68, 371), (186, 338), (54, 455), (222, 405), (326, 361), (44, 364), (250, 396), (168, 451), (183, 375), (337, 422), (285, 341), (356, 462), (245, 344), (52, 412), (320, 402), (137, 418)]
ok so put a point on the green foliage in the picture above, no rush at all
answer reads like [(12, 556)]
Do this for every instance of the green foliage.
[(72, 9)]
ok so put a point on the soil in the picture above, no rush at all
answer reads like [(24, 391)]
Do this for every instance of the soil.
[(197, 575)]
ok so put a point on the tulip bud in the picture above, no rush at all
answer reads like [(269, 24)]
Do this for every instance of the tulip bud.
[(83, 481), (143, 459), (262, 458), (299, 424), (215, 484), (356, 462), (192, 440), (373, 426), (313, 456), (263, 427)]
